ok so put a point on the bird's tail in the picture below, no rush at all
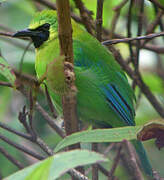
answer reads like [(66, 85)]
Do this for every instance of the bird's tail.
[(143, 157)]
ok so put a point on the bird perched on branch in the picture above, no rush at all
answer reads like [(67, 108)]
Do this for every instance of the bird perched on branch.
[(104, 97)]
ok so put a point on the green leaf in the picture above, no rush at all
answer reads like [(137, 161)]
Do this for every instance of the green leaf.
[(7, 71), (100, 135), (53, 167)]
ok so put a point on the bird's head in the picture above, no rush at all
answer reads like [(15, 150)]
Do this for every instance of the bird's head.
[(42, 28)]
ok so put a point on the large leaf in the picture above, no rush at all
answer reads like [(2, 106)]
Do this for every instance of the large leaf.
[(7, 71), (100, 135), (53, 167)]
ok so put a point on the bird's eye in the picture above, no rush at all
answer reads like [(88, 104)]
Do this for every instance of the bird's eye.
[(46, 26)]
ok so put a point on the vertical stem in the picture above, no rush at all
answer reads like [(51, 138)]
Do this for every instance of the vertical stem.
[(86, 19), (129, 29), (95, 166), (66, 49), (132, 161), (99, 19), (140, 23)]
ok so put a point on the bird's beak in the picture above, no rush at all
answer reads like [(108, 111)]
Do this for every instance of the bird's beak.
[(25, 33)]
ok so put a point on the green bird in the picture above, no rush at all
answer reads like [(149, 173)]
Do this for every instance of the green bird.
[(104, 97)]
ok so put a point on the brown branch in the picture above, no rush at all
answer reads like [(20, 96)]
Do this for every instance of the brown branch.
[(7, 34), (126, 40), (99, 19), (140, 24), (53, 6), (38, 141), (120, 6), (33, 135), (23, 135), (84, 16), (95, 166), (132, 161), (66, 49), (24, 79), (129, 34), (137, 77), (155, 48), (50, 121), (157, 4), (50, 103), (77, 175), (160, 21), (14, 42), (11, 158), (6, 84), (152, 26), (115, 163), (21, 148), (117, 10), (103, 170)]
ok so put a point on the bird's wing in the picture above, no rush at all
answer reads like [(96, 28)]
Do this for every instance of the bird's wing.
[(112, 81)]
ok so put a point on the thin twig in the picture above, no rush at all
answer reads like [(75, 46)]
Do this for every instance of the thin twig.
[(22, 117), (11, 158), (160, 21), (86, 19), (7, 34), (145, 89), (23, 55), (50, 120), (155, 48), (95, 166), (103, 170), (53, 6), (77, 175), (33, 136), (140, 24), (129, 34), (151, 27), (43, 146), (21, 134), (6, 84), (21, 148), (117, 10), (14, 42), (99, 19), (115, 163), (132, 161), (157, 4), (125, 40), (50, 103)]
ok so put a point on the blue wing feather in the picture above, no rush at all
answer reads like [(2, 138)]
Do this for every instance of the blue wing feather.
[(118, 104)]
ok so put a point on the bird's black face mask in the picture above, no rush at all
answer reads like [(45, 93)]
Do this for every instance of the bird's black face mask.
[(38, 35)]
